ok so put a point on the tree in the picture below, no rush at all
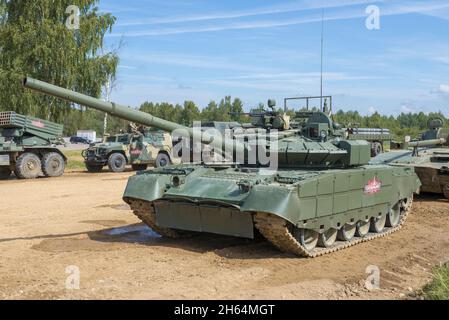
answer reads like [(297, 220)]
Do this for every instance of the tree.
[(35, 41), (210, 112), (237, 111), (224, 109), (189, 113)]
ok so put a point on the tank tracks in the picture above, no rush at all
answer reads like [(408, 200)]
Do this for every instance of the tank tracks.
[(144, 210), (273, 228), (276, 231)]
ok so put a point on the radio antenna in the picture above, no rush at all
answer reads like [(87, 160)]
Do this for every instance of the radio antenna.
[(322, 50)]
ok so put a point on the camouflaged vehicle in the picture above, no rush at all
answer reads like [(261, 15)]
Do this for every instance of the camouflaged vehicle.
[(138, 149), (429, 157), (322, 197), (379, 138), (28, 147)]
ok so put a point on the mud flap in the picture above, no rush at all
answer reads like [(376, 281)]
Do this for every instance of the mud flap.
[(4, 160), (204, 218)]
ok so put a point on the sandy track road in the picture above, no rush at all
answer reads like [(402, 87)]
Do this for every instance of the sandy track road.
[(79, 220)]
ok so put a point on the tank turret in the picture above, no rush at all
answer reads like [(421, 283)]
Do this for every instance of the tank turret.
[(436, 133), (266, 119), (435, 136), (315, 144)]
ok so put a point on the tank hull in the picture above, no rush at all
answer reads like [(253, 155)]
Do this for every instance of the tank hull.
[(434, 180), (431, 165), (225, 201)]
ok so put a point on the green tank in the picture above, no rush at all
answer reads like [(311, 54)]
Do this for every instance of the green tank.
[(28, 147), (429, 157), (321, 197)]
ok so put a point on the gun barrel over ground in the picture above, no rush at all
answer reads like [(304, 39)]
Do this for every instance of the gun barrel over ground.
[(128, 113), (427, 143)]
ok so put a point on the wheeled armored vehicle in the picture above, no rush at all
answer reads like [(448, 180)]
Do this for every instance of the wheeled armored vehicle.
[(28, 147), (138, 149)]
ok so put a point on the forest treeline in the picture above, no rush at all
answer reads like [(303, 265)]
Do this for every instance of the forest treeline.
[(231, 109)]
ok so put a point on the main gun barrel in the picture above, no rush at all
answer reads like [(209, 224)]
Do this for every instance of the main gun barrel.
[(130, 114), (426, 143)]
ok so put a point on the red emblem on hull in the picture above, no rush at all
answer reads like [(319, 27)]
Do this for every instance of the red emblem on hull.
[(373, 186)]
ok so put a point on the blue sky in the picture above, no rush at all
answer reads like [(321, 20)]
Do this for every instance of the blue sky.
[(202, 50)]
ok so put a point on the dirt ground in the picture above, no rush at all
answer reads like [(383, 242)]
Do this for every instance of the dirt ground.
[(50, 228)]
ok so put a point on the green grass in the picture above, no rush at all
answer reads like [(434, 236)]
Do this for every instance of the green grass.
[(438, 289), (74, 160)]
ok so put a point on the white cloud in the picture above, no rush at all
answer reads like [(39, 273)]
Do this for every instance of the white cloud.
[(443, 88), (442, 14), (233, 26), (444, 60), (191, 61), (390, 9), (371, 110), (301, 76), (285, 8), (408, 107)]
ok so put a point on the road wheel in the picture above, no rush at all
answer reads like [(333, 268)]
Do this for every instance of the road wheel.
[(162, 160), (347, 232), (139, 167), (378, 223), (28, 166), (328, 238), (309, 239), (93, 168), (376, 149), (362, 228), (446, 191), (5, 173), (53, 164), (117, 162), (394, 216)]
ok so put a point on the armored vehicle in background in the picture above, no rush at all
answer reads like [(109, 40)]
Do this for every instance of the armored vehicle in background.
[(28, 147), (138, 149), (220, 125), (260, 121), (429, 157), (316, 195), (379, 138)]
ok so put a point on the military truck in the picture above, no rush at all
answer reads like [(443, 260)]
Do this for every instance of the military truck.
[(28, 147), (138, 149), (380, 138)]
